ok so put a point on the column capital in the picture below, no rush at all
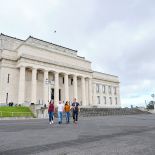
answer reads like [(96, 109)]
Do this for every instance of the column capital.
[(56, 72), (66, 73), (34, 68), (45, 70), (22, 66)]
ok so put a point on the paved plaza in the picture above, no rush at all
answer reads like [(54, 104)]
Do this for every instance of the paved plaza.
[(109, 135)]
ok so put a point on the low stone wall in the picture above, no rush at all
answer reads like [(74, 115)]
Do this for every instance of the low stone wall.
[(86, 112)]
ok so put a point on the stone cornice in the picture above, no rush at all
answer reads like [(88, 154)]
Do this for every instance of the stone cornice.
[(105, 74), (50, 45), (55, 51), (106, 80), (38, 59)]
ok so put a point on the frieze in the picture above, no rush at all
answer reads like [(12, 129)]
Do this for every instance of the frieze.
[(50, 46), (54, 62)]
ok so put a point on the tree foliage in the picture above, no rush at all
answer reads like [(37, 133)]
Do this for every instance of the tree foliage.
[(151, 105)]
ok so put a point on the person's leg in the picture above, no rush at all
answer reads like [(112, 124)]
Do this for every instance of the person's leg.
[(59, 117), (76, 117), (68, 116), (52, 116), (49, 117), (73, 116)]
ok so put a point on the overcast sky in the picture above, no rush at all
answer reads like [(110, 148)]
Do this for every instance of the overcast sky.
[(118, 36)]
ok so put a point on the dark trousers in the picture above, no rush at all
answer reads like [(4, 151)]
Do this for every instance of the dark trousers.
[(75, 116), (50, 116)]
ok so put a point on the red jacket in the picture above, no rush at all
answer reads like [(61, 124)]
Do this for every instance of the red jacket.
[(51, 108)]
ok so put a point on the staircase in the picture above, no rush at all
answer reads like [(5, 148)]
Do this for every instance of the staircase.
[(87, 112)]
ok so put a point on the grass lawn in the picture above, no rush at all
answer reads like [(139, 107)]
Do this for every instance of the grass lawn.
[(15, 112)]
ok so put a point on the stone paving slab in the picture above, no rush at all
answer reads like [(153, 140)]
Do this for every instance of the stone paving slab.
[(109, 135)]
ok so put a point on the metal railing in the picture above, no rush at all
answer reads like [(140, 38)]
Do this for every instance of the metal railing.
[(14, 114)]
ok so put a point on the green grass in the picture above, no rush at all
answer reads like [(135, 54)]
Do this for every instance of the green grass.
[(15, 112)]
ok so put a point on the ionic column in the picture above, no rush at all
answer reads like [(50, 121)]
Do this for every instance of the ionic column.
[(34, 86), (66, 88), (45, 85), (90, 91), (83, 91), (75, 85), (21, 89), (56, 88)]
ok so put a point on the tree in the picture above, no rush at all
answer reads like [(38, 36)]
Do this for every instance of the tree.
[(151, 105)]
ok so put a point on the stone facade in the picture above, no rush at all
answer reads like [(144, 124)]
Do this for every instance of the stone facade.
[(35, 71)]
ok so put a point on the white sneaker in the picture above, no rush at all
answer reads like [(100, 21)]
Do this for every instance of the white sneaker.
[(50, 122)]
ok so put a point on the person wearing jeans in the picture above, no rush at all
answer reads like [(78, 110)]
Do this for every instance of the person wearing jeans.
[(51, 111), (67, 111), (76, 109), (60, 112)]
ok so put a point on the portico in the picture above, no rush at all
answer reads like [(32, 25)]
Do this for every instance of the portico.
[(61, 86)]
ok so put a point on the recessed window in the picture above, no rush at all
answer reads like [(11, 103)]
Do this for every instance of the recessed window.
[(116, 100), (103, 88), (7, 97), (8, 78), (104, 100), (98, 99), (71, 81), (109, 89), (110, 99), (63, 80), (115, 90), (97, 88)]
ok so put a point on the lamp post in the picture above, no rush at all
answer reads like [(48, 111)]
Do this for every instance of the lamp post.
[(49, 83)]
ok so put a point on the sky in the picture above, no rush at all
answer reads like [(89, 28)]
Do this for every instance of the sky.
[(117, 36)]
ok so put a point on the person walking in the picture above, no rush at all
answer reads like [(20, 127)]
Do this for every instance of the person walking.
[(67, 111), (51, 111), (76, 109), (60, 112)]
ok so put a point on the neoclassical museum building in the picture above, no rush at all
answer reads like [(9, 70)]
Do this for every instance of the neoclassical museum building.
[(35, 71)]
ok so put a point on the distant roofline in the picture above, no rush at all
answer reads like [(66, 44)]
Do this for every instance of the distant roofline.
[(11, 37), (105, 74), (51, 43), (39, 40)]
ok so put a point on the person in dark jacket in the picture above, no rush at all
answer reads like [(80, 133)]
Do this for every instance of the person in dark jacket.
[(51, 111), (76, 109)]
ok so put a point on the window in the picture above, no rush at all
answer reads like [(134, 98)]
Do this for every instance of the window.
[(98, 99), (63, 80), (116, 100), (71, 81), (7, 97), (104, 100), (8, 78), (109, 89), (115, 90), (110, 99), (97, 88), (103, 88)]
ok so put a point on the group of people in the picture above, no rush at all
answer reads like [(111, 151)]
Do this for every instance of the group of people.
[(61, 108)]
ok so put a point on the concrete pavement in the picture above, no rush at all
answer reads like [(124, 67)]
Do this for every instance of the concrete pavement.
[(110, 135)]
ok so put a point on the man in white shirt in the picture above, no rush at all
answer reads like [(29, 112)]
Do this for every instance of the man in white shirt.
[(60, 111)]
